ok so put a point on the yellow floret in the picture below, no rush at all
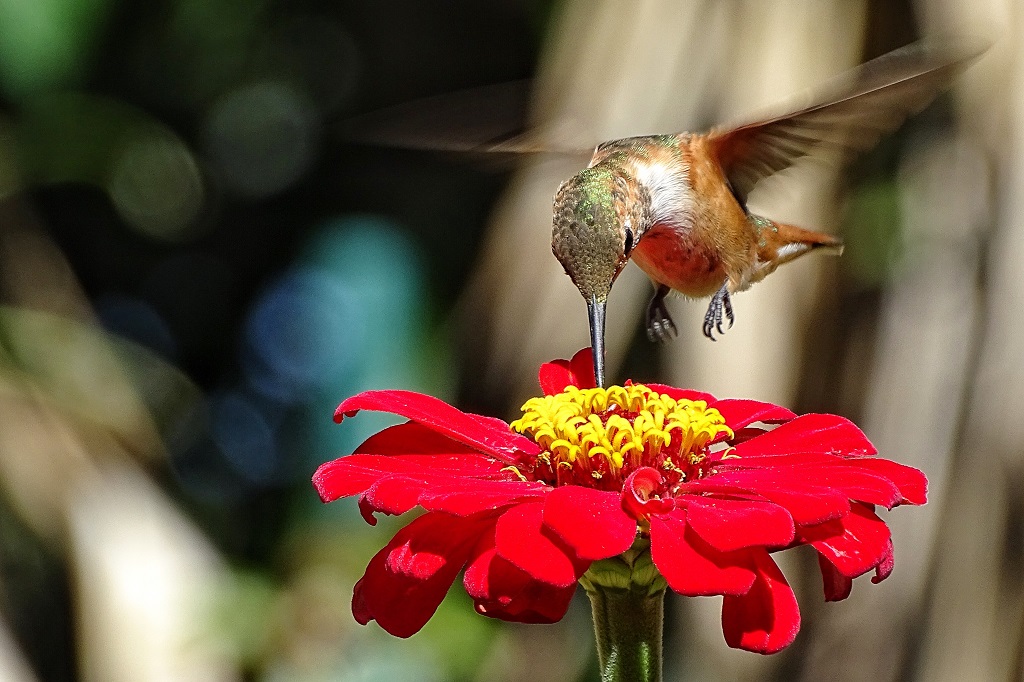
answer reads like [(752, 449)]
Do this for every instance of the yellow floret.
[(588, 423)]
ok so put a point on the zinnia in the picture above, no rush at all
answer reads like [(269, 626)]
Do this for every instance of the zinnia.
[(670, 485)]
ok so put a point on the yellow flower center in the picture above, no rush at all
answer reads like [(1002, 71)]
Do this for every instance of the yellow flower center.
[(598, 436)]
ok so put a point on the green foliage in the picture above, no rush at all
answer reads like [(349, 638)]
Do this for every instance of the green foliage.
[(47, 44)]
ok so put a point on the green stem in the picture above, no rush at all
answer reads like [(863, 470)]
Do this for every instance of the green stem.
[(627, 624)]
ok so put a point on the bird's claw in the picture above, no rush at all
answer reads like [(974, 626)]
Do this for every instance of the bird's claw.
[(660, 327), (720, 304)]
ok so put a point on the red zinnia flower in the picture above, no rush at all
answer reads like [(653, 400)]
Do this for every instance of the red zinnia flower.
[(711, 486)]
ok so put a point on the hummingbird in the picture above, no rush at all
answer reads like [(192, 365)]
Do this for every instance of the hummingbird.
[(676, 205)]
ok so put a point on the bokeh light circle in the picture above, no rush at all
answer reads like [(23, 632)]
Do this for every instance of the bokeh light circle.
[(156, 186), (302, 332), (262, 137)]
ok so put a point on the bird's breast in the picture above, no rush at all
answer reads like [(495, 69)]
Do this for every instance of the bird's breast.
[(672, 255)]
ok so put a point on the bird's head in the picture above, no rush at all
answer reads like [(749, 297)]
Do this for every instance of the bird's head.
[(592, 235)]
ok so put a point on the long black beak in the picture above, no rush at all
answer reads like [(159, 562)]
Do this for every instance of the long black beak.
[(595, 309)]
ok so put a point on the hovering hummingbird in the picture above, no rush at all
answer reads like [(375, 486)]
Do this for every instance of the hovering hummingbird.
[(677, 204)]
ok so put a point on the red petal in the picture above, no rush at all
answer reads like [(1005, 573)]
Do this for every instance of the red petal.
[(356, 473), (393, 495), (521, 538), (691, 566), (636, 494), (582, 366), (471, 497), (590, 521), (885, 566), (338, 478), (766, 619), (842, 473), (860, 485), (741, 413), (854, 544), (837, 586), (681, 393), (406, 580), (912, 484), (359, 609), (728, 525), (747, 461), (499, 425), (807, 504), (481, 433), (556, 375), (826, 433), (412, 438), (500, 590), (460, 497)]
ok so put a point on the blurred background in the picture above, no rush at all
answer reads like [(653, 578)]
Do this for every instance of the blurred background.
[(196, 267)]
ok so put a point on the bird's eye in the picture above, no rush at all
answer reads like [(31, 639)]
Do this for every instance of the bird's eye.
[(629, 241)]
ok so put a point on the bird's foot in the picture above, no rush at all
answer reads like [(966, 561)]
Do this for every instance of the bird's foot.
[(720, 308), (660, 327)]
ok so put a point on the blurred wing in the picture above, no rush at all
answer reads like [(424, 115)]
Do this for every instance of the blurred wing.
[(488, 120), (849, 113)]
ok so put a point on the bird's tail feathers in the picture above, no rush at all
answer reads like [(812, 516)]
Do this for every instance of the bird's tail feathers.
[(796, 237)]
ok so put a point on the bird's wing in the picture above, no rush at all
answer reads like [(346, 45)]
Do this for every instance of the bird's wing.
[(848, 113), (491, 120)]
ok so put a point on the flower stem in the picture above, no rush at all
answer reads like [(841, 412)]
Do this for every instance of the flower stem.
[(627, 624)]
